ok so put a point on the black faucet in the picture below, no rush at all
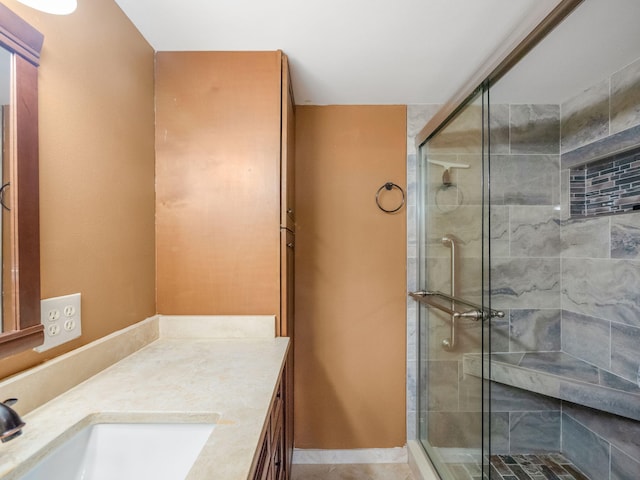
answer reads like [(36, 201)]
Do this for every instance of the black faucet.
[(10, 422)]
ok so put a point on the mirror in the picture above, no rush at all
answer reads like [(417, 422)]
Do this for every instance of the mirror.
[(19, 190)]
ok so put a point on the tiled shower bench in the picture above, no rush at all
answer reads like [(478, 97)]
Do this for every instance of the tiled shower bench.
[(559, 375)]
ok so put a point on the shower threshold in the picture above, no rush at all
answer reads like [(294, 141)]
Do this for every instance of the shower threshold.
[(547, 466)]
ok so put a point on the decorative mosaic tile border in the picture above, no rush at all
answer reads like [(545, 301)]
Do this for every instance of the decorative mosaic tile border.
[(605, 187)]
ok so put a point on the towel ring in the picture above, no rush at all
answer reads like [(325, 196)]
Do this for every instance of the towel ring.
[(389, 186)]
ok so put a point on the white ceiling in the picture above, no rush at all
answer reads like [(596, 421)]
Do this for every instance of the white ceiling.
[(348, 51)]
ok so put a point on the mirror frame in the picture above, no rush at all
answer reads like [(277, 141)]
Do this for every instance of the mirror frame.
[(23, 330)]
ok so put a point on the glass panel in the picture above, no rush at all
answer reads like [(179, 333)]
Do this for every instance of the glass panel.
[(451, 263), (541, 203), (565, 231)]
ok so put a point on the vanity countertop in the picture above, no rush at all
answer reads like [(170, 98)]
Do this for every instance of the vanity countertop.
[(230, 381)]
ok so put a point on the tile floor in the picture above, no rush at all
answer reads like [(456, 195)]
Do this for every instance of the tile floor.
[(374, 471), (503, 467), (551, 466)]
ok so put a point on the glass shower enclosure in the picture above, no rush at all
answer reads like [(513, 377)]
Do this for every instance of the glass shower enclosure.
[(528, 206), (453, 302)]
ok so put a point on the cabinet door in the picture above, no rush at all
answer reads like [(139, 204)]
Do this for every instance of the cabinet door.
[(287, 422), (277, 461), (287, 248), (287, 165), (273, 459), (218, 182), (263, 465)]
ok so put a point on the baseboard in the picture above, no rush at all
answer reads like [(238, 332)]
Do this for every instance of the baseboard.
[(420, 465), (360, 455)]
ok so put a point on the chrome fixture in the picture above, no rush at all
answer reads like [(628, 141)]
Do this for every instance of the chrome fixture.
[(450, 241), (10, 422), (478, 312)]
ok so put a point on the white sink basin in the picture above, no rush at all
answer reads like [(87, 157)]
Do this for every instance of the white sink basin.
[(125, 451)]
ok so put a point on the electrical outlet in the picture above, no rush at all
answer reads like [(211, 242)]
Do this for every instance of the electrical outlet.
[(61, 319)]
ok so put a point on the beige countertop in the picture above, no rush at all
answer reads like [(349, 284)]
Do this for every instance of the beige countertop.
[(230, 381)]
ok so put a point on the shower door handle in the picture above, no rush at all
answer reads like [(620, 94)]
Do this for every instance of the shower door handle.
[(478, 312), (473, 314), (450, 343)]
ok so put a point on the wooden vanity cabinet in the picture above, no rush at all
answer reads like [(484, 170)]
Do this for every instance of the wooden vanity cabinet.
[(272, 461)]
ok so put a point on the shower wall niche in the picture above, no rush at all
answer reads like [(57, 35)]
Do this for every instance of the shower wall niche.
[(568, 278)]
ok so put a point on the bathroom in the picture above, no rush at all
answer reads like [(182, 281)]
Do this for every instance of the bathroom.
[(98, 232)]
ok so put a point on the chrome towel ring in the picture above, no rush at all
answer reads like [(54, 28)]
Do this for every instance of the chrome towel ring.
[(389, 186)]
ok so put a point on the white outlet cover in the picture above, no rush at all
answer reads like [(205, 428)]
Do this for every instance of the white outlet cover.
[(61, 319)]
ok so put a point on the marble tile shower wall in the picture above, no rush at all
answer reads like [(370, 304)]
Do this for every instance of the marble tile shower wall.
[(601, 255), (525, 228), (605, 446), (568, 285), (600, 274), (525, 266)]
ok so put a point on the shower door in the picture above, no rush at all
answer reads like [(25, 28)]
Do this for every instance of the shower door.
[(453, 269)]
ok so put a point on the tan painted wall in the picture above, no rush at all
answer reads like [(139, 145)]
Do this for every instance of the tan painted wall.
[(96, 169), (350, 278)]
